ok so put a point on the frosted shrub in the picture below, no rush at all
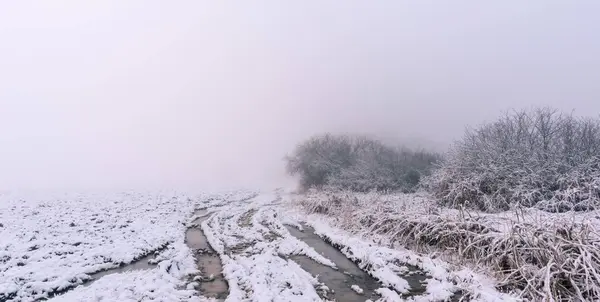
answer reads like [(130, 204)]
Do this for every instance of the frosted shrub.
[(540, 158)]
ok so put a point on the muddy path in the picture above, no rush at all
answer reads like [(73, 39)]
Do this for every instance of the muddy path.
[(212, 283), (349, 273), (342, 279), (273, 259), (247, 230)]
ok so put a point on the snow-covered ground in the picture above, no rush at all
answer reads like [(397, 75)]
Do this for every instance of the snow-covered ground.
[(254, 245), (49, 243), (52, 243)]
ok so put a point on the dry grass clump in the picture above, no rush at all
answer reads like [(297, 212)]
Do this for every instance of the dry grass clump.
[(538, 264)]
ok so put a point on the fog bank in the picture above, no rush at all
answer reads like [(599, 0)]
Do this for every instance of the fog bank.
[(200, 94)]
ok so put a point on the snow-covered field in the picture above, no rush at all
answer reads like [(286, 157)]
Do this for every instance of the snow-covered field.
[(52, 243)]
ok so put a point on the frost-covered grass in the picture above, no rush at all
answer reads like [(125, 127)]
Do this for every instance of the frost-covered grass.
[(535, 254), (52, 242), (388, 264)]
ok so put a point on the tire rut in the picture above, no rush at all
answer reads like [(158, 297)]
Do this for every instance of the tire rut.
[(340, 280), (211, 283), (144, 262), (352, 273)]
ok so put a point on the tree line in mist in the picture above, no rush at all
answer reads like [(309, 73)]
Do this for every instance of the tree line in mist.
[(358, 163), (542, 157)]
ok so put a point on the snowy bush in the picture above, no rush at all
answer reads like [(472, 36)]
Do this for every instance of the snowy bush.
[(540, 158), (357, 163)]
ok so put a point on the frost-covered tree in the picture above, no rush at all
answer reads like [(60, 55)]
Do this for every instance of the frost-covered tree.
[(357, 163), (541, 157)]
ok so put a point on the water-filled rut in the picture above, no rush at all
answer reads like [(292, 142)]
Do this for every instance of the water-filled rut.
[(143, 263), (340, 280), (212, 282), (348, 273)]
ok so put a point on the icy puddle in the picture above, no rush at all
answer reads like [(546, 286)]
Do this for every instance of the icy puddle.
[(340, 280), (143, 263), (348, 272), (212, 283)]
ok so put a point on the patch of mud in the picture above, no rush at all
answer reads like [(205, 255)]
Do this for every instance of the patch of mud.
[(212, 281), (246, 218), (340, 280), (270, 236)]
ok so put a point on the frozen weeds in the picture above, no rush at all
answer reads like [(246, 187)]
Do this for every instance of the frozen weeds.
[(388, 264)]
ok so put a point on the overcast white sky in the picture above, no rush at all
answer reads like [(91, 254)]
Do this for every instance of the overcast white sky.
[(205, 94)]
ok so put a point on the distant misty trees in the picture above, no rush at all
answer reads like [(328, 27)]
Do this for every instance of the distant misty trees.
[(541, 158), (357, 163)]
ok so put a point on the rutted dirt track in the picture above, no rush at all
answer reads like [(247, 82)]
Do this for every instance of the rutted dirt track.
[(261, 256), (211, 281), (258, 248)]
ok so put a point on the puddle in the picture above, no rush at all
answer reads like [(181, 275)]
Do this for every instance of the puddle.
[(137, 265), (352, 274), (212, 282), (140, 264), (416, 278), (341, 280)]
